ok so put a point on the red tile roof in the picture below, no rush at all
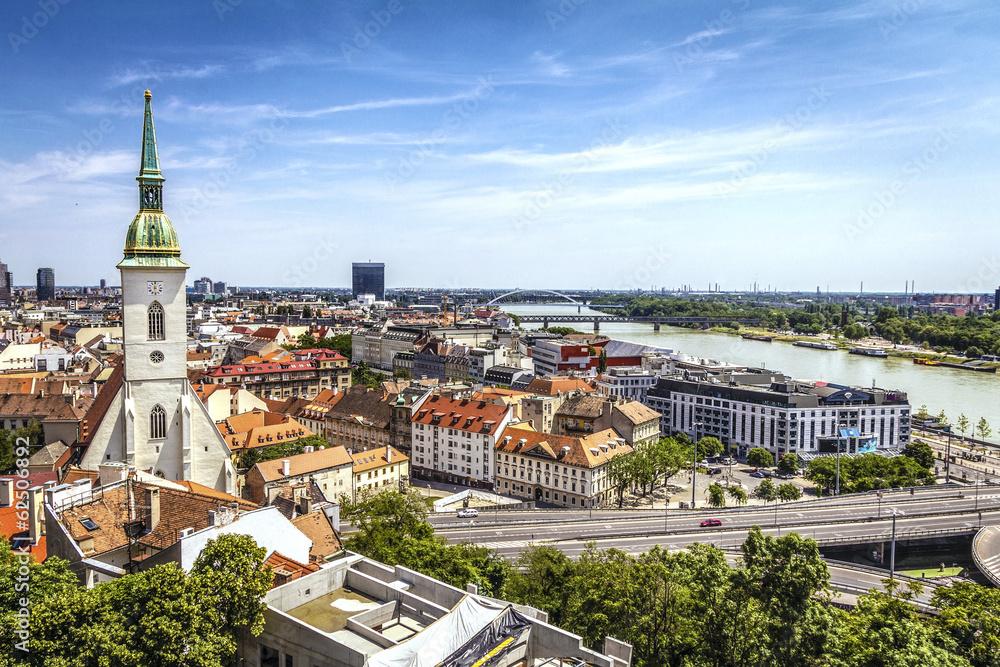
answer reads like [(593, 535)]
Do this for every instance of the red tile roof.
[(461, 414)]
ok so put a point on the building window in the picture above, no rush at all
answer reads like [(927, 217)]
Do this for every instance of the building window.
[(157, 422), (155, 319)]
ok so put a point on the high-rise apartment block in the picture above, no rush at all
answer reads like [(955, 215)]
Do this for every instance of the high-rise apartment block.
[(368, 278)]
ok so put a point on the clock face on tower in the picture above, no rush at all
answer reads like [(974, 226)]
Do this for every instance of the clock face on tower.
[(154, 287)]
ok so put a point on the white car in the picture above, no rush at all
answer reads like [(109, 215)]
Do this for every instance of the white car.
[(468, 513)]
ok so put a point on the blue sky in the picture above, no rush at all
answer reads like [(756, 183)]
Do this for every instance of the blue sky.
[(530, 144)]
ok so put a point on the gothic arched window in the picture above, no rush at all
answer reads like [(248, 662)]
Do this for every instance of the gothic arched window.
[(155, 318), (157, 422)]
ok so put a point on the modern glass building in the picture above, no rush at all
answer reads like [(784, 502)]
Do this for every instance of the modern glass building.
[(45, 284), (368, 278)]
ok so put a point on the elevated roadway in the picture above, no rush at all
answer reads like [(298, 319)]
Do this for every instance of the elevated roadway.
[(986, 552)]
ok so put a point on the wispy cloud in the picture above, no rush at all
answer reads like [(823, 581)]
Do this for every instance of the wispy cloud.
[(158, 72)]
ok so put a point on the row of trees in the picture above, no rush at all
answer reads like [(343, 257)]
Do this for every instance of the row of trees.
[(341, 343), (691, 608), (260, 454), (974, 335), (871, 471), (163, 616)]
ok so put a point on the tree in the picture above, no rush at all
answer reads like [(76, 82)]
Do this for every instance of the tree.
[(983, 429), (942, 418), (963, 424), (307, 312), (920, 452), (384, 520), (230, 579), (766, 491), (973, 352), (760, 458), (516, 320), (922, 413), (602, 361), (884, 629), (789, 463), (545, 581), (737, 494), (970, 613), (788, 491), (716, 496), (710, 446)]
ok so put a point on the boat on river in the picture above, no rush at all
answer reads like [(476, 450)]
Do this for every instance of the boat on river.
[(816, 345), (763, 339), (869, 352)]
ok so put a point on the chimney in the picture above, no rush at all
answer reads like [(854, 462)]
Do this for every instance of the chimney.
[(333, 514), (388, 454), (36, 514), (211, 517), (6, 492), (305, 505), (152, 507), (286, 468)]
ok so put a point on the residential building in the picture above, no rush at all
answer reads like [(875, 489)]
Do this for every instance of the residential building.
[(331, 468), (406, 402), (568, 471), (378, 346), (637, 423), (45, 284), (453, 440), (302, 373), (138, 521), (368, 278), (380, 469), (223, 402), (257, 430), (630, 382), (358, 420), (582, 413), (148, 416), (504, 376), (61, 416), (780, 414)]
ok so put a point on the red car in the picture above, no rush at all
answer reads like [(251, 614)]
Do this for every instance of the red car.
[(711, 522)]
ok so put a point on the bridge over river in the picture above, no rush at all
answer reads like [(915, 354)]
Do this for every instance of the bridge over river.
[(656, 320)]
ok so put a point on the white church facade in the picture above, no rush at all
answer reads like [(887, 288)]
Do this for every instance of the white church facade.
[(154, 421)]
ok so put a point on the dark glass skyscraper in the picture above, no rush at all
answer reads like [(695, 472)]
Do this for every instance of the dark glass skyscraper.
[(6, 288), (45, 284), (368, 278)]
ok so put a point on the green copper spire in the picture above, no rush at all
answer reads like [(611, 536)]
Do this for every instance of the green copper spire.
[(151, 239)]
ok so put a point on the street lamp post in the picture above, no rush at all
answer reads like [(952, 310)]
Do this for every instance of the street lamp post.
[(892, 556), (694, 463), (947, 459), (977, 491), (839, 438)]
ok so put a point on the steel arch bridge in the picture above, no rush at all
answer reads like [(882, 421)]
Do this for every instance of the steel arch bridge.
[(567, 298)]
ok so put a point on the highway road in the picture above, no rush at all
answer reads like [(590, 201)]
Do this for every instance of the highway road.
[(827, 517)]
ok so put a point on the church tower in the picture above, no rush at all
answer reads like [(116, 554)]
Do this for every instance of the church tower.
[(156, 423)]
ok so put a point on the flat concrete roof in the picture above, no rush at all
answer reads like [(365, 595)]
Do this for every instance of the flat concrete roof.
[(329, 613)]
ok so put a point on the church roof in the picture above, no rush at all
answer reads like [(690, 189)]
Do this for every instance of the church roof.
[(151, 240)]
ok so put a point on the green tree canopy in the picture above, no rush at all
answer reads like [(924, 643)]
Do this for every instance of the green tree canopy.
[(789, 463), (759, 457)]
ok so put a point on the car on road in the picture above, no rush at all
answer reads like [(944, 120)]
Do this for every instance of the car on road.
[(784, 475), (715, 471), (758, 474), (727, 461), (711, 522), (468, 513)]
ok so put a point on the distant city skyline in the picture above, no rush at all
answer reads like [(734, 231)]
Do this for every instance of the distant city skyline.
[(550, 144)]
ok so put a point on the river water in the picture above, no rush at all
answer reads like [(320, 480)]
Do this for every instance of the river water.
[(950, 389)]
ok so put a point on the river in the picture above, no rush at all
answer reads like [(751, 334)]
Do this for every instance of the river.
[(950, 389)]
